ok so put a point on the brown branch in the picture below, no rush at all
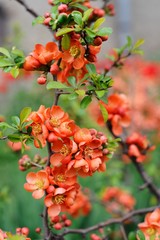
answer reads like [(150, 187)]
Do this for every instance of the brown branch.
[(148, 182), (31, 11), (108, 222), (3, 138)]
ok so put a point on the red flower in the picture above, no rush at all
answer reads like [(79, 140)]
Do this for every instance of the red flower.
[(60, 200), (37, 183)]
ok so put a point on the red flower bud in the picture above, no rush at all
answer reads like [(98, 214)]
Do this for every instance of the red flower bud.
[(41, 80)]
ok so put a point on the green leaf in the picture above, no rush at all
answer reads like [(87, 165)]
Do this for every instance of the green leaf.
[(85, 102), (137, 51), (129, 41), (73, 96), (140, 235), (104, 112), (100, 93), (80, 92), (5, 52), (90, 33), (56, 85), (77, 16), (72, 81), (38, 20), (14, 72), (63, 31), (24, 114), (87, 14), (77, 5), (65, 42), (91, 68), (98, 23), (104, 31), (5, 125), (6, 62), (14, 137), (138, 43), (15, 120), (17, 52)]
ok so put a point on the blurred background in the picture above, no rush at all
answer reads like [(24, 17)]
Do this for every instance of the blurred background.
[(138, 19)]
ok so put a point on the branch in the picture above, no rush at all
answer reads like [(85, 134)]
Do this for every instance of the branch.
[(108, 222), (31, 11), (3, 138), (148, 182)]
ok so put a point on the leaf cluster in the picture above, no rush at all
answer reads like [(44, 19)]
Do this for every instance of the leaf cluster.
[(11, 61)]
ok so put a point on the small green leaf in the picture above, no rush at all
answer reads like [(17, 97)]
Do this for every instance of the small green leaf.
[(73, 96), (104, 31), (24, 114), (5, 62), (90, 33), (100, 93), (17, 52), (129, 41), (77, 5), (140, 235), (38, 20), (5, 52), (56, 85), (65, 42), (137, 51), (72, 81), (77, 16), (5, 125), (14, 137), (85, 102), (14, 72), (80, 92), (87, 14), (63, 31), (91, 68), (98, 23), (138, 43), (104, 112), (15, 120)]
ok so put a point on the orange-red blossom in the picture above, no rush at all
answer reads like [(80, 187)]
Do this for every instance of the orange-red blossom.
[(151, 225), (138, 146), (61, 199), (118, 200), (37, 183), (41, 56)]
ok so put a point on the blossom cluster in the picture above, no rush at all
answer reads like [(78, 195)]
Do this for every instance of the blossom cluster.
[(75, 152), (151, 225), (118, 201), (65, 62)]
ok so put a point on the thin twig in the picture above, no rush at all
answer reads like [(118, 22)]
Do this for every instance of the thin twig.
[(146, 178), (123, 232), (3, 138), (31, 11), (109, 222)]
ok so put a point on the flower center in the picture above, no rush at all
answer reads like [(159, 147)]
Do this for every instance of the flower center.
[(59, 199), (54, 122), (150, 231), (64, 150), (36, 128), (88, 152), (60, 178), (74, 51), (39, 184)]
